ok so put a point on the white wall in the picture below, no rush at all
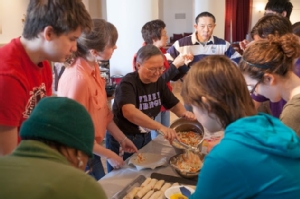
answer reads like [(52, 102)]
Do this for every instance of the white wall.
[(128, 16), (170, 8), (11, 15)]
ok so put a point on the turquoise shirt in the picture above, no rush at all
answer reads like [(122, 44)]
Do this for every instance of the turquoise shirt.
[(259, 157), (36, 171)]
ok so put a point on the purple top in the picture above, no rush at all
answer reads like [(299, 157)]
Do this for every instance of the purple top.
[(275, 107)]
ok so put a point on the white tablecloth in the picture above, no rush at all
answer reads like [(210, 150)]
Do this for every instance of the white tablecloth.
[(117, 180)]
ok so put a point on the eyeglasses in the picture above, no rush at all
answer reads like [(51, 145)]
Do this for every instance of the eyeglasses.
[(251, 89), (153, 70)]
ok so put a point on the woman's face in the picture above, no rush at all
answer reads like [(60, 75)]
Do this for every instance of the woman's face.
[(106, 53), (163, 39), (210, 121), (265, 89)]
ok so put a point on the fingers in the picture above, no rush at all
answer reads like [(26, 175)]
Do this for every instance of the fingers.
[(169, 134), (129, 147), (189, 115)]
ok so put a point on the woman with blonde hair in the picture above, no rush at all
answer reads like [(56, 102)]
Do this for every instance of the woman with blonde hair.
[(82, 82), (269, 71), (259, 157)]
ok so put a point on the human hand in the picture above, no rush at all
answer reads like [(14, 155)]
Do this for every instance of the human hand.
[(116, 161), (128, 146), (179, 61), (189, 116), (243, 44), (169, 134), (188, 58)]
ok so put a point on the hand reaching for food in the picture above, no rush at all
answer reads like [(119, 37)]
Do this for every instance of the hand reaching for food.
[(128, 146), (169, 134), (116, 161)]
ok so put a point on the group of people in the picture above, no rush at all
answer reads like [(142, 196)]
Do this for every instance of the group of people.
[(48, 140)]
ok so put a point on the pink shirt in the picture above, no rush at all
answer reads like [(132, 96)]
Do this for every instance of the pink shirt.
[(84, 84)]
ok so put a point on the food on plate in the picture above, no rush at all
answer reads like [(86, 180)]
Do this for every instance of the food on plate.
[(148, 195), (147, 181), (158, 185), (178, 196), (189, 162), (153, 182), (156, 195), (190, 138), (143, 191), (165, 186), (140, 158), (151, 188), (132, 193)]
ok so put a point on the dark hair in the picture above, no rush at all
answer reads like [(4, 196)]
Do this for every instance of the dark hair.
[(146, 52), (279, 6), (103, 34), (205, 14), (271, 24), (62, 15), (296, 28), (218, 79), (274, 55), (152, 30)]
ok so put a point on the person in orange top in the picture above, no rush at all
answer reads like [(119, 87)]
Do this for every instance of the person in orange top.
[(82, 82), (154, 32)]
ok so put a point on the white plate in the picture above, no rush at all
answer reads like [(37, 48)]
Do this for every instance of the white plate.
[(176, 189), (152, 160)]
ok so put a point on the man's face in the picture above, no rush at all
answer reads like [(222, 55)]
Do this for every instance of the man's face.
[(205, 28), (59, 48), (151, 69)]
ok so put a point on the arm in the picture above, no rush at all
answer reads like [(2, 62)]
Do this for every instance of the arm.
[(134, 115), (8, 139), (126, 144), (180, 111)]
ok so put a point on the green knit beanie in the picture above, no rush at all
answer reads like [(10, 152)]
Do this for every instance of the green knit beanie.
[(61, 120)]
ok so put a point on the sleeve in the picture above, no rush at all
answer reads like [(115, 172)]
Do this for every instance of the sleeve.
[(220, 179), (232, 54), (12, 102), (125, 94), (172, 52), (170, 73), (290, 117), (92, 190), (168, 98)]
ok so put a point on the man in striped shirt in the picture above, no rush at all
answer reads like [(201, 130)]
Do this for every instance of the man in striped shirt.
[(202, 42)]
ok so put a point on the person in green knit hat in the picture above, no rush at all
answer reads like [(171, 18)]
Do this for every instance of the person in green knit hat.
[(57, 141)]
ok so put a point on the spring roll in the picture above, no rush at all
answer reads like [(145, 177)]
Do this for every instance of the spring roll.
[(152, 182), (156, 195), (165, 187), (147, 196), (146, 182), (143, 191), (158, 185), (175, 184), (131, 194)]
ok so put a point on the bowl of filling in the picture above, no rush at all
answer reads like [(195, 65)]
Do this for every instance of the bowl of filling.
[(188, 132), (178, 192), (187, 164)]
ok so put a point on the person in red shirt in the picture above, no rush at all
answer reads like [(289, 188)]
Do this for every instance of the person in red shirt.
[(50, 32)]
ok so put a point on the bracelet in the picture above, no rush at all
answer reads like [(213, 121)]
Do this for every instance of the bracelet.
[(123, 140)]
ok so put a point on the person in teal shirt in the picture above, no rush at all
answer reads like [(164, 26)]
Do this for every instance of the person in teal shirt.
[(49, 163), (259, 157)]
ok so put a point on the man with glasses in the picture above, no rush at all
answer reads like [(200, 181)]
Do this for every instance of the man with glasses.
[(138, 100)]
